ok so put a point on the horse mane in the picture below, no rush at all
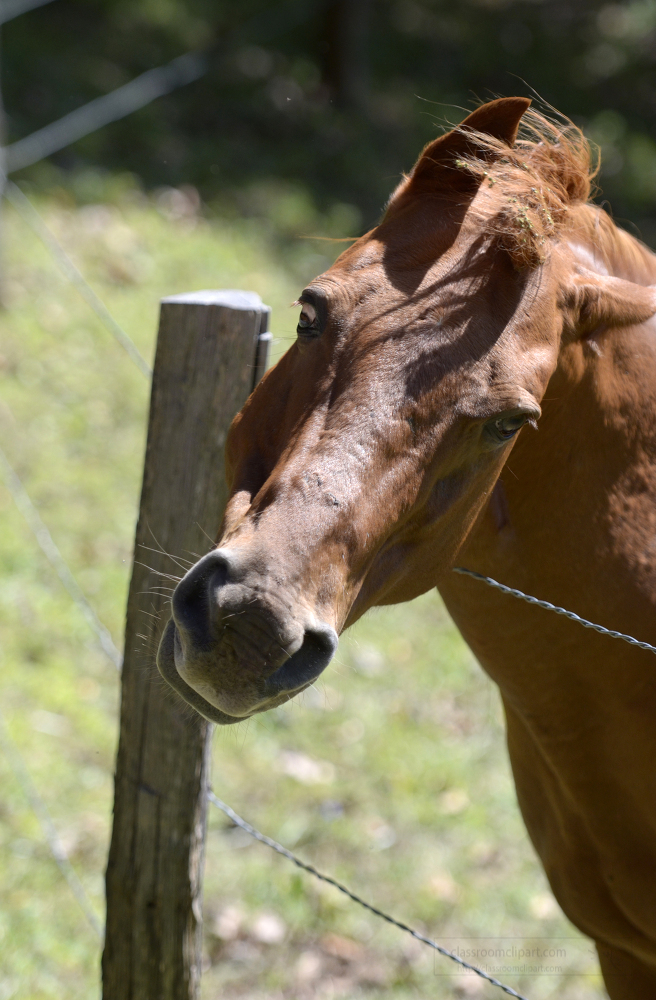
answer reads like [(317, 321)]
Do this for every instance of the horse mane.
[(533, 185)]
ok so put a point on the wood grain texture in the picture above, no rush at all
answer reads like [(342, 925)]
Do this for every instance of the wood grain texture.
[(207, 349)]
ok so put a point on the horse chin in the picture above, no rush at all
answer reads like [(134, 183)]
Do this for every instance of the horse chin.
[(290, 679), (169, 671)]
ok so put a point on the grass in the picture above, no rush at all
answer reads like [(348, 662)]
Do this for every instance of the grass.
[(390, 775)]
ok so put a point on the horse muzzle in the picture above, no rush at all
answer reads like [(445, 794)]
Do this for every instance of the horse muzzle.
[(234, 645)]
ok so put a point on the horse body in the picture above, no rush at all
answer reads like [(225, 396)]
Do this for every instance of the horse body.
[(573, 520), (386, 443)]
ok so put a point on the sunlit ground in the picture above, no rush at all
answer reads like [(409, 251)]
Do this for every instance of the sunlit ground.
[(390, 774)]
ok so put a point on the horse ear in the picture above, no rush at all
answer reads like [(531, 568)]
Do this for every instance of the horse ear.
[(438, 165), (598, 301)]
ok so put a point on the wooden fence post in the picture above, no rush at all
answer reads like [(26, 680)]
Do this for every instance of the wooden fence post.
[(209, 354)]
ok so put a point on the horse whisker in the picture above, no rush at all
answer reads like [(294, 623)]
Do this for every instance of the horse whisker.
[(212, 540), (179, 561), (167, 576), (161, 549)]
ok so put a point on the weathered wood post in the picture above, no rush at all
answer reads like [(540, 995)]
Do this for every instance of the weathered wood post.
[(211, 349)]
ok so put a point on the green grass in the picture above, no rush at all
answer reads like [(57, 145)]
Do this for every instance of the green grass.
[(391, 775)]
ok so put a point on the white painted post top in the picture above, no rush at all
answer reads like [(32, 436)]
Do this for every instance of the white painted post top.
[(231, 298)]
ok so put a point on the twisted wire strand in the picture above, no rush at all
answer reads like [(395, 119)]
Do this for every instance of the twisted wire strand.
[(553, 607), (263, 839), (40, 809)]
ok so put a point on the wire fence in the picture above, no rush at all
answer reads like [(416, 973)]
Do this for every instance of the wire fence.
[(26, 209), (104, 110), (548, 606), (279, 849), (22, 500), (9, 9), (40, 810)]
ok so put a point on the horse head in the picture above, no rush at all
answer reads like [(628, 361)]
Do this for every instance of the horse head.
[(364, 457)]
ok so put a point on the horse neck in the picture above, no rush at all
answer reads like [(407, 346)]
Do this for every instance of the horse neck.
[(597, 415)]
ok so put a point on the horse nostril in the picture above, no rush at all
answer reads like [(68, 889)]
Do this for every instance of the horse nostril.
[(191, 598), (301, 669), (321, 642)]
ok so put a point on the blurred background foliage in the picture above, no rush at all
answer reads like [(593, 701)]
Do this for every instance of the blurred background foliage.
[(318, 105)]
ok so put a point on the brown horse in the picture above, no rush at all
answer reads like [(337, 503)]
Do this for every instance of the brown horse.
[(388, 441)]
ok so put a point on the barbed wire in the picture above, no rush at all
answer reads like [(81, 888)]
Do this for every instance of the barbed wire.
[(27, 211), (553, 607), (275, 846), (53, 555), (104, 110), (40, 809)]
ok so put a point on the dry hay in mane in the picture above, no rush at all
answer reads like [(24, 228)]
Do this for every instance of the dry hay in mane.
[(532, 185)]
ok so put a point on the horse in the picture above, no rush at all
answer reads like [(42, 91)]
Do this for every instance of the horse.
[(473, 381)]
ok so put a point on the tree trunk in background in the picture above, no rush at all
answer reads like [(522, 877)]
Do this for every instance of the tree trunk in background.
[(209, 350), (346, 61)]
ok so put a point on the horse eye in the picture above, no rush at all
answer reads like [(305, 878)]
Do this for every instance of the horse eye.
[(507, 427), (503, 429), (308, 321)]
